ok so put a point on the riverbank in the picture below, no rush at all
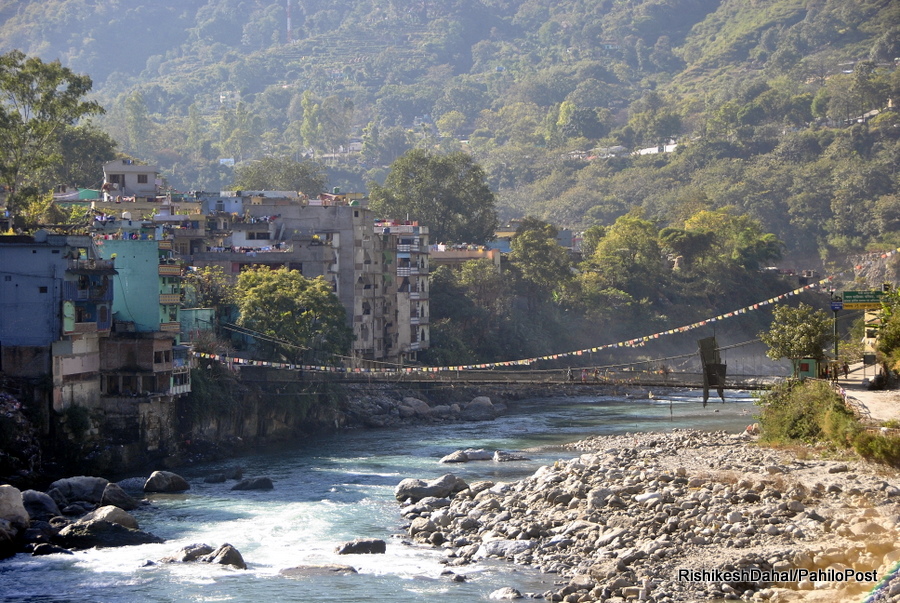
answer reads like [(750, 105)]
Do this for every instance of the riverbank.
[(666, 517)]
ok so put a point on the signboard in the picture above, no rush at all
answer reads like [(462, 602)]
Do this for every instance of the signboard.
[(862, 300), (837, 305)]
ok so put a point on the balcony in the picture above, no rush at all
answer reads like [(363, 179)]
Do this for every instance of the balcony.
[(95, 293), (91, 266), (165, 245), (180, 389), (169, 298), (169, 270)]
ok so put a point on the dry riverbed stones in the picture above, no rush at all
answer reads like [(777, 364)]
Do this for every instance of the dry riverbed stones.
[(677, 516)]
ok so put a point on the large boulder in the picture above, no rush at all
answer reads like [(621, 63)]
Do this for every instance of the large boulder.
[(101, 534), (362, 546), (225, 555), (469, 454), (39, 505), (416, 489), (166, 481), (254, 483), (413, 407), (479, 409), (113, 494), (111, 514), (83, 487), (11, 507)]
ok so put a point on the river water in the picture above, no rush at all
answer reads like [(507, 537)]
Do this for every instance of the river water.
[(337, 487)]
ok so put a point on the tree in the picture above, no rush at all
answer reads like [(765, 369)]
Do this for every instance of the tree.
[(280, 174), (37, 100), (84, 150), (796, 333), (211, 288), (447, 193), (543, 263), (296, 317)]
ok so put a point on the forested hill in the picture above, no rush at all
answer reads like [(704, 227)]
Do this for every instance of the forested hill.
[(550, 96)]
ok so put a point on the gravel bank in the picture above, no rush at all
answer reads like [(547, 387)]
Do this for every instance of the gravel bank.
[(678, 516)]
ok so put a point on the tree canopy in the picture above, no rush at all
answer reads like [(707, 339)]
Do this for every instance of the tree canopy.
[(280, 174), (447, 193), (796, 333), (37, 101), (295, 317)]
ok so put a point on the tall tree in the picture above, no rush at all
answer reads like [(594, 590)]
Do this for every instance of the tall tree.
[(796, 333), (294, 317), (281, 174), (37, 100), (447, 193)]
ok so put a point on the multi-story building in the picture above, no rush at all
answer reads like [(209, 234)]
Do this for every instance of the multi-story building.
[(126, 181), (143, 366), (56, 297), (405, 253), (332, 236)]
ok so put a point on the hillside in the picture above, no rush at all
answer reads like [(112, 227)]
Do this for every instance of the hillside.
[(755, 94)]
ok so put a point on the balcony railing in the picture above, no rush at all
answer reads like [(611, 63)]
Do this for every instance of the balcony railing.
[(169, 270), (170, 298), (71, 292), (89, 265), (170, 326)]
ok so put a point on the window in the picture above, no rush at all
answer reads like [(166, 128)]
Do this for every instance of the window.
[(42, 289), (7, 278), (142, 178)]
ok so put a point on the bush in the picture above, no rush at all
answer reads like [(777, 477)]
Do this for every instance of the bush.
[(878, 447), (807, 412)]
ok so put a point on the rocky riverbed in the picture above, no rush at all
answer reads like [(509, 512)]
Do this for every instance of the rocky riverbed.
[(678, 516)]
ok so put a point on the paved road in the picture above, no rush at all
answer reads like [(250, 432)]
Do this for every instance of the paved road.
[(881, 405)]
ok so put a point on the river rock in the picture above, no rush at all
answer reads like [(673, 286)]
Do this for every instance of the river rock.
[(39, 505), (507, 593), (101, 534), (11, 507), (166, 481), (225, 555), (254, 483), (503, 548), (362, 546), (413, 407), (45, 548), (416, 489), (222, 476), (501, 456), (479, 409), (469, 454), (82, 487), (113, 494), (191, 552), (112, 514), (315, 571)]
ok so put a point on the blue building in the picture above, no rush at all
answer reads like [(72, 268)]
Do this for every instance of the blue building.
[(56, 299)]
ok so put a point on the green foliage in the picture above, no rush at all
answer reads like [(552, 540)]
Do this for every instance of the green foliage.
[(448, 193), (37, 101), (796, 333), (878, 447), (809, 413), (210, 287), (282, 174), (297, 318), (77, 419)]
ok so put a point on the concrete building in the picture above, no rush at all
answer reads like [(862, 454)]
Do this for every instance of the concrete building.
[(333, 236), (123, 179), (405, 253), (56, 296)]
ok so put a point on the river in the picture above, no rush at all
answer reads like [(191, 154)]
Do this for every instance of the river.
[(337, 487)]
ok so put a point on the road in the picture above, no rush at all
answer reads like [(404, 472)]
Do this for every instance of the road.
[(880, 405)]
